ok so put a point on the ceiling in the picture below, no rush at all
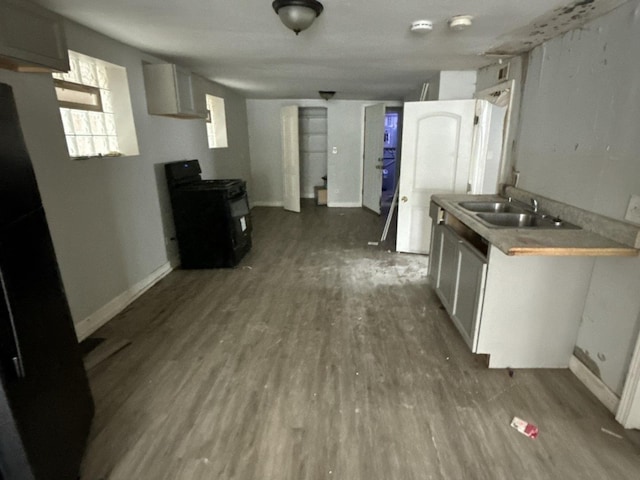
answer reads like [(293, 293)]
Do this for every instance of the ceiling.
[(362, 49)]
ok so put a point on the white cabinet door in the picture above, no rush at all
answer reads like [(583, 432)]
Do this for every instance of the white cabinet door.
[(435, 256), (458, 275), (472, 271), (448, 278), (436, 156), (31, 38), (290, 157), (184, 95), (373, 153), (169, 92)]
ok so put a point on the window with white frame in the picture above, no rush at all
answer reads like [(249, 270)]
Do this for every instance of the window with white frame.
[(216, 122), (95, 108)]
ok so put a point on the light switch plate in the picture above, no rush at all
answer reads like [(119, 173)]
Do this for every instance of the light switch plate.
[(633, 210)]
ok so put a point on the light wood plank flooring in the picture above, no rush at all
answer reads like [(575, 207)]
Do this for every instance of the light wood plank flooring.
[(322, 357)]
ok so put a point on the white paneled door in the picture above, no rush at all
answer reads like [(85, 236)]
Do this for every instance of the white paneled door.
[(437, 145), (290, 158), (373, 155)]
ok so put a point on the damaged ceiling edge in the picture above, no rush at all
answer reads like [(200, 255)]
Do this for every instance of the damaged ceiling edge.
[(558, 21)]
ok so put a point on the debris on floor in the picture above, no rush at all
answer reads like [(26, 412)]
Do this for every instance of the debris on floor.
[(510, 372), (372, 244), (613, 434), (524, 427)]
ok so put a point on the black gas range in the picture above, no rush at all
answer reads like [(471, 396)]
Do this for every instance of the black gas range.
[(211, 216)]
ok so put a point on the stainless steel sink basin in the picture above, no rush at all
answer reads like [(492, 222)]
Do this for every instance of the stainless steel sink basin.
[(491, 207), (523, 220)]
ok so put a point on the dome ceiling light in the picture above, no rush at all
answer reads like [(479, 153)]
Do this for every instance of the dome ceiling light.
[(460, 22), (326, 94), (422, 26), (297, 15)]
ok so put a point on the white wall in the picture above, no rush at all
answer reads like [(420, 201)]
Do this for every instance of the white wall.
[(579, 144), (345, 119), (452, 85), (109, 217)]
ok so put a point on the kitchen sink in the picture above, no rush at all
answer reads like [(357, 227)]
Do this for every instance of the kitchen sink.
[(524, 220), (491, 207)]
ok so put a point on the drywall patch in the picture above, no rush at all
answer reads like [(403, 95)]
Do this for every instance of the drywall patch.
[(551, 24), (585, 358)]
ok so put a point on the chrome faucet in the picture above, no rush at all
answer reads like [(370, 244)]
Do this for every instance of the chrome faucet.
[(534, 205)]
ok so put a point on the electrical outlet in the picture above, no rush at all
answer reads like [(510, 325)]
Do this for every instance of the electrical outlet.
[(633, 210)]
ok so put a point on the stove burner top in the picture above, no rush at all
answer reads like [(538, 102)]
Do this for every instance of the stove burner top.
[(222, 183)]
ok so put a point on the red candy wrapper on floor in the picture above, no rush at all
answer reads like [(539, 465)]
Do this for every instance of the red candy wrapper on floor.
[(525, 428)]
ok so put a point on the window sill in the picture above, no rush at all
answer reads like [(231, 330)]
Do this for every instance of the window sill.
[(108, 155)]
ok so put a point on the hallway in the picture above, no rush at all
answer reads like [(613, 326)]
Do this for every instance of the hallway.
[(322, 357)]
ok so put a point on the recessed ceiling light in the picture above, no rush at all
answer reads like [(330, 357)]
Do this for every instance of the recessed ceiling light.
[(422, 26), (460, 22)]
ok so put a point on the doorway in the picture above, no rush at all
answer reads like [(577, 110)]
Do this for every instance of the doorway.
[(391, 156), (381, 156), (312, 127)]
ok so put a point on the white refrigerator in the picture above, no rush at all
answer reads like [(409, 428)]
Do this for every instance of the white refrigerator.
[(449, 146)]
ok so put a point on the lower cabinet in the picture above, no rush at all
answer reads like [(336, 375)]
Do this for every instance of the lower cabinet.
[(521, 311), (459, 271)]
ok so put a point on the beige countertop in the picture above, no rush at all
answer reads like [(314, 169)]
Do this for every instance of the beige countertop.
[(535, 241)]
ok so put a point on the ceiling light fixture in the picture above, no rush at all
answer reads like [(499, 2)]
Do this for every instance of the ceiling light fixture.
[(326, 94), (422, 26), (460, 22), (297, 15)]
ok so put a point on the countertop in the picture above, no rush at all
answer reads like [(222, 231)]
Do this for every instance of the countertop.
[(533, 241)]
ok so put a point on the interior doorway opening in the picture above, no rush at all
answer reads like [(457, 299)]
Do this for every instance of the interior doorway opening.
[(390, 157), (312, 128)]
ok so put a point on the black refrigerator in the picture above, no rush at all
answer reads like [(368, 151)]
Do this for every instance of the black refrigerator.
[(45, 402)]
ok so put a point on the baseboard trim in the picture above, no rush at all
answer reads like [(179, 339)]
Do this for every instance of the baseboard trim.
[(596, 386), (344, 204), (93, 322), (267, 204)]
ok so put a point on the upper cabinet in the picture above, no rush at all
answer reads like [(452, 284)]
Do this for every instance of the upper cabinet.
[(169, 90), (31, 38)]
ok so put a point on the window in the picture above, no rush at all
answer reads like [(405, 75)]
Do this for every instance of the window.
[(216, 122), (95, 108)]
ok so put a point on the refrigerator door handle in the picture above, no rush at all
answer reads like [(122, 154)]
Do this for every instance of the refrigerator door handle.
[(17, 359)]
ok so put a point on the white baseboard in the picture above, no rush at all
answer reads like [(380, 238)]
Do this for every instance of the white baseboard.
[(93, 322), (344, 204), (267, 204), (596, 386)]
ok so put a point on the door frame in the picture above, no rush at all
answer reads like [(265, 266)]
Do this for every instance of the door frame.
[(628, 414)]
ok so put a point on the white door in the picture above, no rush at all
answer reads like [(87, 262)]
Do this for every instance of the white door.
[(373, 154), (436, 155), (290, 158)]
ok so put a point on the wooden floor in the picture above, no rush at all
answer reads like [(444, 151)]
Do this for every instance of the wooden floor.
[(322, 357)]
